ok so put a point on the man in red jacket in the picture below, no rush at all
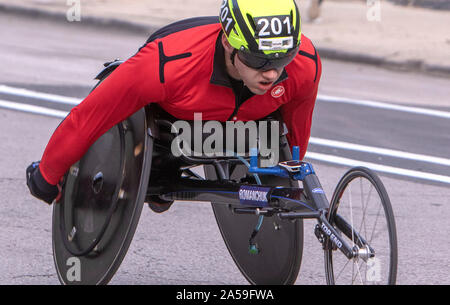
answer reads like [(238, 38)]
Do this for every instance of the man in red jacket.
[(242, 67)]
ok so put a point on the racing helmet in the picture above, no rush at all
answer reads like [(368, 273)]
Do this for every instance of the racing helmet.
[(265, 34)]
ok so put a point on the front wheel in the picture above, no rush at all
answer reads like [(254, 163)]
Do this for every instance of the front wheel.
[(361, 212)]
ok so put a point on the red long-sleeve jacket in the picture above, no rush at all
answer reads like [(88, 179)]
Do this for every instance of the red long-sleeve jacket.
[(182, 69)]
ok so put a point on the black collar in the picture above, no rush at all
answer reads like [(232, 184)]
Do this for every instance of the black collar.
[(219, 75)]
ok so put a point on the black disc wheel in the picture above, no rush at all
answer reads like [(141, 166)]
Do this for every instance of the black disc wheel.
[(280, 242), (361, 212), (102, 199)]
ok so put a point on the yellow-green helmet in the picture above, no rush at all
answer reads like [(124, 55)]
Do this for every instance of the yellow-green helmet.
[(268, 30)]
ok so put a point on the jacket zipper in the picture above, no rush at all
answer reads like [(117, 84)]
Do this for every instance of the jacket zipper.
[(283, 77), (238, 104)]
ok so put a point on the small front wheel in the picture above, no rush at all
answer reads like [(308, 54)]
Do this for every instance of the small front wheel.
[(361, 212)]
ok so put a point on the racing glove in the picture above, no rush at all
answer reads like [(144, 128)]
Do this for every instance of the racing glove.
[(40, 188)]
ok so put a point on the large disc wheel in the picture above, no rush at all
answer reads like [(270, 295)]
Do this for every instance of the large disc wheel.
[(361, 212), (102, 199), (280, 241)]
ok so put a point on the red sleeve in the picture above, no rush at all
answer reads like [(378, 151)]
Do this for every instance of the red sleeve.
[(133, 84), (297, 114)]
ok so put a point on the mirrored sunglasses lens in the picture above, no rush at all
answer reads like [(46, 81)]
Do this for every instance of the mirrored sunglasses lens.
[(258, 63)]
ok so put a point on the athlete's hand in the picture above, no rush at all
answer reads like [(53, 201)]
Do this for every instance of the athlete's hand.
[(40, 188)]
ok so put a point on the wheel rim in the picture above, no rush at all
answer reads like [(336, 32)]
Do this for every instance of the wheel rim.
[(362, 201)]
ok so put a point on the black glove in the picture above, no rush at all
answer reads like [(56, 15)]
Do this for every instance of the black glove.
[(37, 185)]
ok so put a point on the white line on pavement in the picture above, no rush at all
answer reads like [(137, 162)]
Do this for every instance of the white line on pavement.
[(377, 167), (325, 98), (317, 156), (60, 99), (380, 151), (416, 110), (33, 109)]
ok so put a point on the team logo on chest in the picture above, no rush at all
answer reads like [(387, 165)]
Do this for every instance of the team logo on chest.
[(278, 91)]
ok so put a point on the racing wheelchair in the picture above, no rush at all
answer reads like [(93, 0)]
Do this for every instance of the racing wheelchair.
[(259, 210)]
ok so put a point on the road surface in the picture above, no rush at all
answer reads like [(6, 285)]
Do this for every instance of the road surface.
[(183, 245)]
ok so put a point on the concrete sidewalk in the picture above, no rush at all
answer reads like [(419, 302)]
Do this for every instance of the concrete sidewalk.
[(408, 38)]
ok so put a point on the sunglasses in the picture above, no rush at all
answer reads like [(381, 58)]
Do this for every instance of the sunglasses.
[(258, 62)]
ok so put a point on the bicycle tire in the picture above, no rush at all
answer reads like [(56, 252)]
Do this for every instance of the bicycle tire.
[(375, 266)]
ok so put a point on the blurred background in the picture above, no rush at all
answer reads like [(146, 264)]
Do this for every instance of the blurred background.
[(396, 30)]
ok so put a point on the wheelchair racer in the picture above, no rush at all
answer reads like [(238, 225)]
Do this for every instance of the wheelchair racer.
[(243, 66)]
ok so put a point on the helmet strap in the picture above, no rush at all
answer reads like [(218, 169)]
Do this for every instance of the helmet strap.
[(233, 56)]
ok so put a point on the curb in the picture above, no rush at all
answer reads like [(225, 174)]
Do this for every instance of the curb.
[(86, 21), (441, 5), (328, 53)]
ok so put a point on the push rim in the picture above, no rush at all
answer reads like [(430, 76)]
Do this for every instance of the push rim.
[(65, 236)]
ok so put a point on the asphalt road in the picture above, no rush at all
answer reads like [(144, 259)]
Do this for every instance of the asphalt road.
[(183, 245)]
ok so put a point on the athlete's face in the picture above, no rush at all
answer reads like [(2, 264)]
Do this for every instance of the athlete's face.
[(257, 81)]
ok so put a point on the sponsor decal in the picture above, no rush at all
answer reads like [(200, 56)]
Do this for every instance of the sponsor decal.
[(332, 237), (318, 190), (276, 43), (254, 195), (278, 91)]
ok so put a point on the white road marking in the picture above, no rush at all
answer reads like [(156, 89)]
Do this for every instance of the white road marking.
[(325, 98), (373, 104), (60, 99), (33, 109), (315, 156), (380, 151), (378, 167)]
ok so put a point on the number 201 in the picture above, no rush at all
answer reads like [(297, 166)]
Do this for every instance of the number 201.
[(275, 24)]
